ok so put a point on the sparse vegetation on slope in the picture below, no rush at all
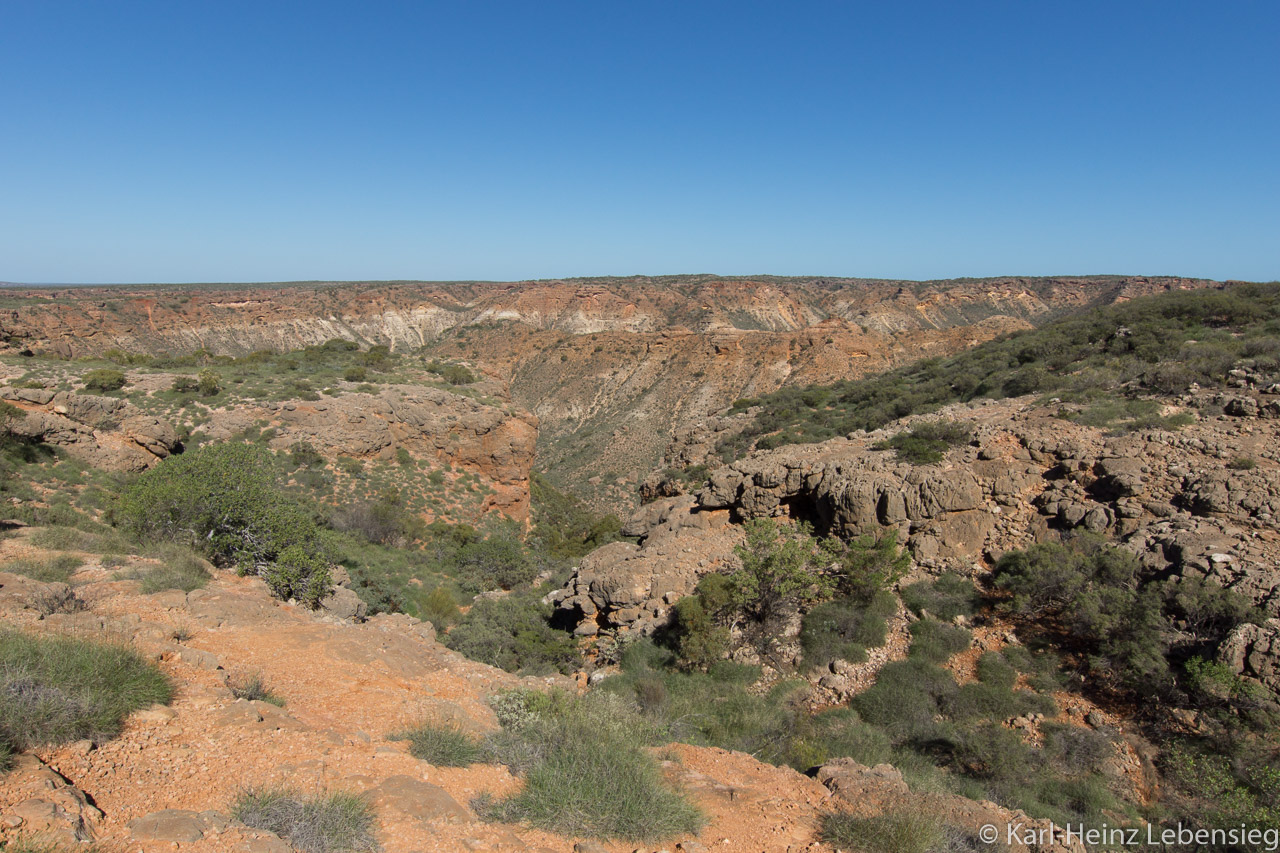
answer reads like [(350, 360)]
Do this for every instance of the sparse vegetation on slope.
[(35, 845), (893, 832), (324, 823), (585, 770), (564, 525), (1122, 623), (1161, 344)]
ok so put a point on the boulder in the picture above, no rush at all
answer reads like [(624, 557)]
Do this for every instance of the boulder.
[(343, 603)]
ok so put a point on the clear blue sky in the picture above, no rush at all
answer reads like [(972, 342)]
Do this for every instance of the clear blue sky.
[(248, 141)]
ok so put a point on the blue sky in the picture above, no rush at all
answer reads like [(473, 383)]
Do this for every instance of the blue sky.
[(255, 141)]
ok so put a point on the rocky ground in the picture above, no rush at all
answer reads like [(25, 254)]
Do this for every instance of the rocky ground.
[(166, 783), (487, 444)]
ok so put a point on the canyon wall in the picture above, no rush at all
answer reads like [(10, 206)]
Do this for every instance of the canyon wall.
[(613, 368)]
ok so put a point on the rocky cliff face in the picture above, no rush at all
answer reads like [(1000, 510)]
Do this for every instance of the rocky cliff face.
[(235, 320), (611, 367), (101, 431), (1026, 476)]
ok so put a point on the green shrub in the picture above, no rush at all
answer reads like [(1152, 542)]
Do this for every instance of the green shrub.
[(892, 832), (926, 443), (845, 628), (380, 591), (495, 562), (355, 374), (1242, 463), (104, 379), (454, 374), (936, 641), (303, 455), (185, 385), (841, 733), (701, 636), (1207, 610), (514, 633), (782, 568), (715, 708), (1094, 593), (869, 565), (325, 823), (585, 770), (222, 500), (945, 597), (1074, 751), (992, 701), (1057, 798), (378, 357), (440, 608), (903, 701), (991, 751), (1224, 790), (208, 383), (55, 690), (300, 573), (442, 745)]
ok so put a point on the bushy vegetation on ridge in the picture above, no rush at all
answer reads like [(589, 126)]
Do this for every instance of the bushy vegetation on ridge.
[(1161, 344), (224, 500)]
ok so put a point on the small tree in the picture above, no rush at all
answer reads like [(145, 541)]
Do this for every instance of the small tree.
[(207, 383), (702, 636), (870, 564), (781, 571)]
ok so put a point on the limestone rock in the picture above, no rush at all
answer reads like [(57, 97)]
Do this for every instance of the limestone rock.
[(1254, 651), (621, 585), (343, 603), (181, 825), (106, 432), (418, 799)]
